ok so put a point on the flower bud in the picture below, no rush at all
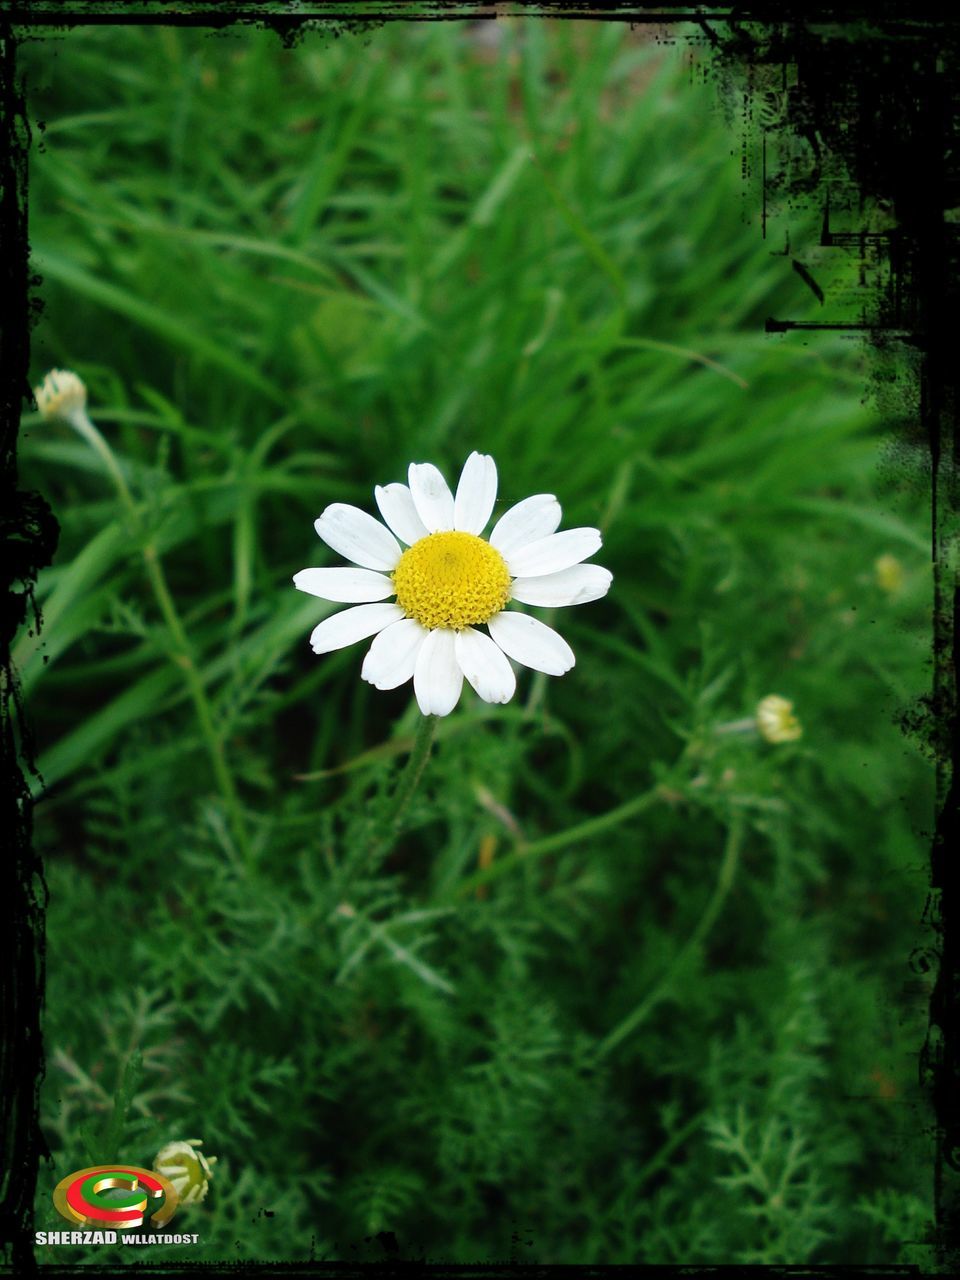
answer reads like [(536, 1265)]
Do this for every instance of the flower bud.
[(889, 573), (776, 721), (61, 394), (189, 1170)]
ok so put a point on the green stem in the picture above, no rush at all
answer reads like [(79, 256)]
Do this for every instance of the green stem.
[(582, 831), (182, 655), (676, 1140), (747, 725), (725, 878), (391, 814), (413, 771)]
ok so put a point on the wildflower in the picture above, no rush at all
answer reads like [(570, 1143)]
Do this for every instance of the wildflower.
[(888, 572), (448, 582), (189, 1170), (61, 394), (775, 720)]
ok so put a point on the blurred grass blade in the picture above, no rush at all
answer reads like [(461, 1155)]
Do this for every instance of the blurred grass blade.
[(163, 324)]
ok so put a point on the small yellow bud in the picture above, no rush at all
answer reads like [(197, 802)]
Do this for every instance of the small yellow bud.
[(189, 1170), (61, 394), (776, 721), (889, 573)]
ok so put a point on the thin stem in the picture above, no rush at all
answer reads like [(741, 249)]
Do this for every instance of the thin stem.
[(582, 831), (725, 878), (182, 656), (413, 770), (676, 1140), (685, 353), (392, 811), (747, 725)]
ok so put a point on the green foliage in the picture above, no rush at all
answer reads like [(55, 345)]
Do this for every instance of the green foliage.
[(627, 984)]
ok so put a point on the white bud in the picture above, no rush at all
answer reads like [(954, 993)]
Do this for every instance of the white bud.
[(61, 394), (189, 1170), (776, 721)]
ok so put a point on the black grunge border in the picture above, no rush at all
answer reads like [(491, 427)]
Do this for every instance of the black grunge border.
[(872, 99)]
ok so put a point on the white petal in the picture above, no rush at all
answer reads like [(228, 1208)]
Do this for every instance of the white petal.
[(396, 506), (392, 657), (531, 642), (533, 518), (550, 555), (350, 625), (349, 586), (358, 537), (579, 584), (485, 666), (431, 496), (476, 493), (437, 677)]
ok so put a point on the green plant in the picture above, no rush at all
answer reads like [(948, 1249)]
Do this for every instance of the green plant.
[(621, 985)]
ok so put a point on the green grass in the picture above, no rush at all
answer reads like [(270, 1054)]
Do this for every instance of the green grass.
[(621, 988)]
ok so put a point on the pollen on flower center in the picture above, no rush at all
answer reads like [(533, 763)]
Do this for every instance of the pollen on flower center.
[(452, 581)]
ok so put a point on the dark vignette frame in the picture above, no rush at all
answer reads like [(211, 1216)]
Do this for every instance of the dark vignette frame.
[(875, 99)]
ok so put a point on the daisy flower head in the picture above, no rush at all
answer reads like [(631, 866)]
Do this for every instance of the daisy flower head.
[(425, 581)]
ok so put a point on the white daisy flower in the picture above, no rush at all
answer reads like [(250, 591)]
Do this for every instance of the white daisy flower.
[(450, 581)]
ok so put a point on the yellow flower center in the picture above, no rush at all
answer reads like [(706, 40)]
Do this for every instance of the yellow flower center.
[(451, 580)]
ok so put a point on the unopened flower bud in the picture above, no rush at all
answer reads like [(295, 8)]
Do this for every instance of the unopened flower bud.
[(61, 394), (189, 1170), (889, 573), (776, 721)]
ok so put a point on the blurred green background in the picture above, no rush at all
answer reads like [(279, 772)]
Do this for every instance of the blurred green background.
[(623, 988)]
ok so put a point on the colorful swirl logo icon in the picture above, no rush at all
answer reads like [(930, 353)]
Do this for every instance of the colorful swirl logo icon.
[(90, 1197)]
